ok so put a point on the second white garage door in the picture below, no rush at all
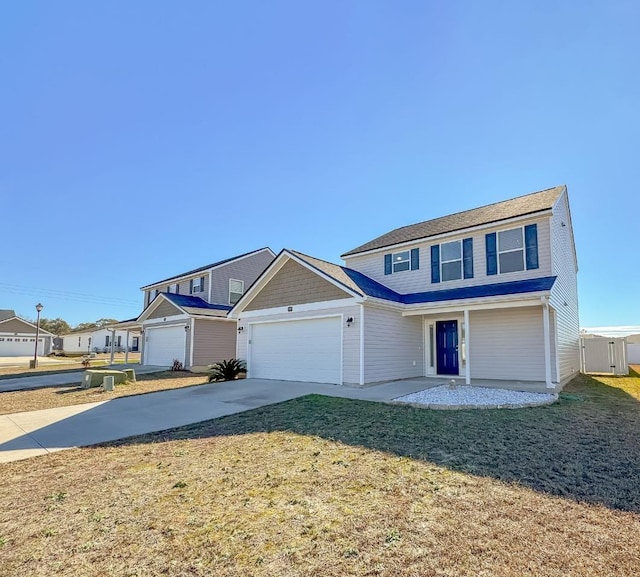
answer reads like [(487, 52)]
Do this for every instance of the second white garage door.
[(306, 350), (164, 344)]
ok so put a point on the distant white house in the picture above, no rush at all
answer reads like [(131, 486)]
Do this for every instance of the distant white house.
[(99, 341)]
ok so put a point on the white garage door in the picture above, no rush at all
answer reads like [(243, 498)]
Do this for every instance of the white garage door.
[(20, 346), (164, 344), (305, 350)]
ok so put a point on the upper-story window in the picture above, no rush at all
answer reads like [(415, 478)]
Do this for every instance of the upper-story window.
[(197, 285), (401, 261), (236, 290), (452, 260), (512, 250), (451, 254)]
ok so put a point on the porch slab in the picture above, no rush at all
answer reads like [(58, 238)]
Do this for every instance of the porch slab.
[(510, 385)]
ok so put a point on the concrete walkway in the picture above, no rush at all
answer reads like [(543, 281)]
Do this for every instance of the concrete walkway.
[(24, 435), (37, 381)]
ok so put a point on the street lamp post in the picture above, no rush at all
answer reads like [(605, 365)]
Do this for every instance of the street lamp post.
[(39, 308)]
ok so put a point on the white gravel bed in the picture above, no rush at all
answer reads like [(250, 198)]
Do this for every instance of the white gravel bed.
[(465, 397)]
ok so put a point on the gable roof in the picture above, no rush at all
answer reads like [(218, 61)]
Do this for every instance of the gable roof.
[(7, 314), (520, 206), (31, 325), (189, 305), (207, 267)]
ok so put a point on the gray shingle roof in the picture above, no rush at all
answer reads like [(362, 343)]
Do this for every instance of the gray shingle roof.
[(520, 206), (6, 314), (204, 268)]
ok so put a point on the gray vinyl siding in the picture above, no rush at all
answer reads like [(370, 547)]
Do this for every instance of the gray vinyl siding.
[(413, 281), (185, 285), (17, 326), (507, 344), (213, 341), (350, 339), (247, 269), (165, 309), (565, 290), (392, 344)]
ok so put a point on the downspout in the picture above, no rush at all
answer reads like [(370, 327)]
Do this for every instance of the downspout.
[(547, 342)]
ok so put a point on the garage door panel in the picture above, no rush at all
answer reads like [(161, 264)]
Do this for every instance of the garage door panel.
[(164, 344), (304, 350), (20, 346)]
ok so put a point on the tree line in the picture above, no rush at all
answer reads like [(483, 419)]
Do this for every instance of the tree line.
[(61, 327)]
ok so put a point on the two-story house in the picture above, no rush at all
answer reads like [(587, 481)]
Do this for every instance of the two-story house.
[(185, 316), (488, 294)]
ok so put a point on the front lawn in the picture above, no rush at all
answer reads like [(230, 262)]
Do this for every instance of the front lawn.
[(323, 486), (64, 395)]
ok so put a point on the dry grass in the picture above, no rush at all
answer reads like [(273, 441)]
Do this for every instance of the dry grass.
[(329, 487), (64, 364), (64, 395)]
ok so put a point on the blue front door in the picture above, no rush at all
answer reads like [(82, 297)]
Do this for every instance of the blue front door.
[(447, 347)]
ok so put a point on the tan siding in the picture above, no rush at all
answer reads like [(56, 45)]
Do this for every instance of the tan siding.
[(247, 269), (213, 341), (507, 344), (165, 309), (565, 290), (407, 282), (16, 326), (294, 284), (350, 339), (393, 344)]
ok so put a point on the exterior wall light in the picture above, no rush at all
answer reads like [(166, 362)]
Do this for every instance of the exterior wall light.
[(350, 321)]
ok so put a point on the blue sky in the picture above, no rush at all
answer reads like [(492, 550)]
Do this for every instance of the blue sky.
[(142, 139)]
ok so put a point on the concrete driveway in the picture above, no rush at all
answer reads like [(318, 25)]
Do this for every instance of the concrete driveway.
[(24, 435)]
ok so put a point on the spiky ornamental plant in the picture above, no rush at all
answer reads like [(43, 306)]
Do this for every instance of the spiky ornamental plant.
[(226, 370)]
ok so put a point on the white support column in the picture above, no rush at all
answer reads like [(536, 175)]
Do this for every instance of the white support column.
[(362, 344), (547, 342), (126, 348), (467, 362)]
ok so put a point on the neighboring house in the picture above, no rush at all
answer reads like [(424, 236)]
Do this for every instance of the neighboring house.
[(99, 340), (18, 337), (185, 316), (485, 294)]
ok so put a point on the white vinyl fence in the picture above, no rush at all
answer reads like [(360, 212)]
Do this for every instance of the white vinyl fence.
[(603, 355), (633, 353)]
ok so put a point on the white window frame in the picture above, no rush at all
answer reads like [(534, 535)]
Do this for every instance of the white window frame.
[(235, 292), (394, 261), (521, 249), (443, 262), (197, 288)]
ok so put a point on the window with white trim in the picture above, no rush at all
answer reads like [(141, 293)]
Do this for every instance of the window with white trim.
[(511, 250), (197, 285), (236, 290), (451, 260), (401, 261)]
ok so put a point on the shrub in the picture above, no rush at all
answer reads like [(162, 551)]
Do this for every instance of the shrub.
[(226, 370), (177, 365)]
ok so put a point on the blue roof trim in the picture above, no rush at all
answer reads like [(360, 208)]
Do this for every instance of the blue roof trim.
[(194, 302), (487, 290), (372, 287)]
